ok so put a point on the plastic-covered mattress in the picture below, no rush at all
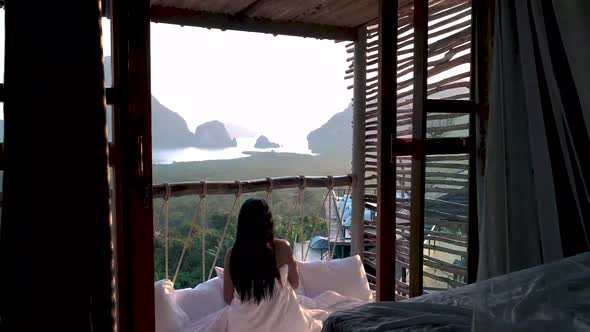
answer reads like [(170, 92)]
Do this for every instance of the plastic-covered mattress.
[(551, 297)]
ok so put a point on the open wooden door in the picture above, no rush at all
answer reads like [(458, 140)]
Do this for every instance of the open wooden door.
[(131, 158), (425, 111)]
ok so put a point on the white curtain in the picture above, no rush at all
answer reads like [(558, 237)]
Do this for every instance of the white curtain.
[(534, 202)]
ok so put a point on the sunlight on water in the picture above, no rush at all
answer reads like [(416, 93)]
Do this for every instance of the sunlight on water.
[(168, 156)]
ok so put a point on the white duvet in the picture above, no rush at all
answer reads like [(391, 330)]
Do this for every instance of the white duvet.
[(284, 312), (324, 287)]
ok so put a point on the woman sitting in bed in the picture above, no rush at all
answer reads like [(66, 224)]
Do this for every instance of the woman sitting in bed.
[(260, 275)]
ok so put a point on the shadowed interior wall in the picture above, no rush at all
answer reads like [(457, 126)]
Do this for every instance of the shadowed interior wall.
[(55, 251)]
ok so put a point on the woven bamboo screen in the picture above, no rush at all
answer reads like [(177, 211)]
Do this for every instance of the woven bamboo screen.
[(446, 197)]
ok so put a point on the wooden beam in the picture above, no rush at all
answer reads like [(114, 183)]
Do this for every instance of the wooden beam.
[(450, 145), (448, 281), (419, 156), (132, 165), (435, 146), (119, 79), (472, 230), (249, 8), (447, 250), (250, 186), (358, 143), (202, 19), (444, 266), (450, 106), (401, 147), (139, 140), (386, 117)]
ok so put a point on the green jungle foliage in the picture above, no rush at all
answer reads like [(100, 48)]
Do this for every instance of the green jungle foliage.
[(182, 210)]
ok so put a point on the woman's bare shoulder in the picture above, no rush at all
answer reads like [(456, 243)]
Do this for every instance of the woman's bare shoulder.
[(282, 245), (284, 254)]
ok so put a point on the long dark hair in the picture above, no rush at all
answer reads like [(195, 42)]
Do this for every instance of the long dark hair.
[(253, 265)]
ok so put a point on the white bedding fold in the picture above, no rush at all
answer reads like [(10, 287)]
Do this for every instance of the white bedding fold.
[(317, 308)]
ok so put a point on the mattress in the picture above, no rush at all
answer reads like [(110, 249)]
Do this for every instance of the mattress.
[(549, 297)]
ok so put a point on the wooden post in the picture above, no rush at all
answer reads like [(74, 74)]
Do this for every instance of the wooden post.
[(329, 226), (358, 143), (133, 165), (386, 133), (119, 80), (418, 138), (473, 242)]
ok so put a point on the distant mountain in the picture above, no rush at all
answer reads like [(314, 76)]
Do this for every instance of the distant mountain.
[(334, 136), (264, 143), (239, 131), (169, 129), (213, 135)]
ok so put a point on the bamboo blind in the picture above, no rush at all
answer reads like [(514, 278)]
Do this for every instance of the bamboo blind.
[(449, 73)]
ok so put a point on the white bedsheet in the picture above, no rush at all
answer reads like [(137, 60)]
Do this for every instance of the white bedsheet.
[(319, 308), (285, 312)]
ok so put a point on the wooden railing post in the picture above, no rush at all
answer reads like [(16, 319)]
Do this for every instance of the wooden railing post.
[(386, 133), (419, 156), (358, 143)]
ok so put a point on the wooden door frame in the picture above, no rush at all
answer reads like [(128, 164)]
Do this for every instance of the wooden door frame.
[(386, 135), (132, 160), (132, 164)]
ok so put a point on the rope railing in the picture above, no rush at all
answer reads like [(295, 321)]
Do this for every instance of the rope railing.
[(200, 207), (330, 188), (301, 231), (225, 227), (298, 202), (203, 189), (340, 218), (179, 189), (269, 192), (166, 198)]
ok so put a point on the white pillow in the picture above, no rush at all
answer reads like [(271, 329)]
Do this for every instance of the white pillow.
[(202, 300), (169, 316), (299, 291), (345, 276)]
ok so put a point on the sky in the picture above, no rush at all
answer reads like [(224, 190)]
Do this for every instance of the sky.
[(279, 86)]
